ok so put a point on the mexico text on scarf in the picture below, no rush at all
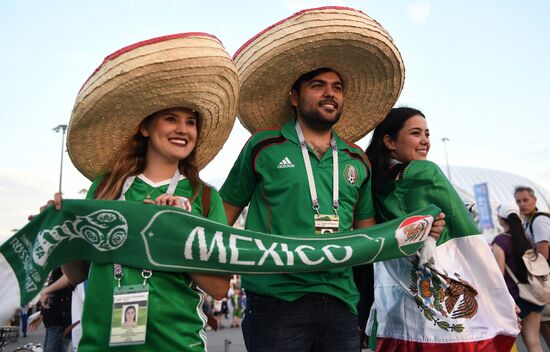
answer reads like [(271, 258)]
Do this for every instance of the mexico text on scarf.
[(170, 239)]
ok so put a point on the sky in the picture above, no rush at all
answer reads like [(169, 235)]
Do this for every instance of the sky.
[(477, 69)]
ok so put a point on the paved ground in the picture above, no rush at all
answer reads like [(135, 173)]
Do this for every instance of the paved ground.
[(223, 340), (226, 340)]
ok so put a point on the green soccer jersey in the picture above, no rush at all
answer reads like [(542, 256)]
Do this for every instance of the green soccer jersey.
[(175, 320), (270, 175), (422, 183)]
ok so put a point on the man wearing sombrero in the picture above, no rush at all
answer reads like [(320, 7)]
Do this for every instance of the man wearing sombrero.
[(304, 177)]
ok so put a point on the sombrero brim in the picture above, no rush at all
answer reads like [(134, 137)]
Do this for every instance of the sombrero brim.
[(190, 70), (344, 39)]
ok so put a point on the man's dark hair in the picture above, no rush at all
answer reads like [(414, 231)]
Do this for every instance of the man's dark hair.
[(524, 189), (308, 76)]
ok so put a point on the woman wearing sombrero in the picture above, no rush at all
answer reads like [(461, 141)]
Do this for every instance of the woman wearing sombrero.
[(144, 124)]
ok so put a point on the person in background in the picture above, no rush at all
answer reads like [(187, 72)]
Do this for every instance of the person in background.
[(77, 304), (217, 313), (24, 319), (537, 227), (508, 249), (237, 306), (55, 300), (536, 223)]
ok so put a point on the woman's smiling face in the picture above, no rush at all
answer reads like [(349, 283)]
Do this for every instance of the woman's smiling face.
[(412, 142), (172, 134)]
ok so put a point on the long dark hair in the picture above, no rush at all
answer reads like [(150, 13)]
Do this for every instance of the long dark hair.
[(132, 162), (379, 155), (520, 243)]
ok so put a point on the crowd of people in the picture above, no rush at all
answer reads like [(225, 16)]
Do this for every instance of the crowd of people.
[(229, 308), (156, 112)]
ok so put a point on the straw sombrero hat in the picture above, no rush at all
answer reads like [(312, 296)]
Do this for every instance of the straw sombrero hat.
[(343, 39), (190, 70)]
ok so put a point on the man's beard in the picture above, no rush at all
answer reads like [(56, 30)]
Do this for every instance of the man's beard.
[(315, 120)]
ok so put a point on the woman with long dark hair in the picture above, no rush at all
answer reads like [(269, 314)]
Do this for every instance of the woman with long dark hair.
[(508, 249), (445, 295)]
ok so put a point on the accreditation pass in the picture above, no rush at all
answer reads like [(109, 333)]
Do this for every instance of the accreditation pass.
[(129, 317)]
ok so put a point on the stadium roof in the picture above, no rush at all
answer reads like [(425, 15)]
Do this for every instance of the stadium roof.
[(501, 185)]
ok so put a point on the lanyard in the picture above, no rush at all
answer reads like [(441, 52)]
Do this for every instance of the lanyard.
[(171, 188), (117, 268), (311, 180)]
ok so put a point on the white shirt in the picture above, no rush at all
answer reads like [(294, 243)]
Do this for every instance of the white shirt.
[(541, 229)]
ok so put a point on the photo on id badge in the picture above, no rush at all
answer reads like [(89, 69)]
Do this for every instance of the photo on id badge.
[(130, 316)]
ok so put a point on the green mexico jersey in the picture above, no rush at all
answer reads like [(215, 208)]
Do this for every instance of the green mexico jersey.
[(270, 175), (422, 183), (175, 321)]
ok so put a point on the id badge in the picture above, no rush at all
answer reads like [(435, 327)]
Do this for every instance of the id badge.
[(326, 223), (129, 316)]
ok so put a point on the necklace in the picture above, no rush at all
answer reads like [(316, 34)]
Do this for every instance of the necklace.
[(148, 194), (130, 180)]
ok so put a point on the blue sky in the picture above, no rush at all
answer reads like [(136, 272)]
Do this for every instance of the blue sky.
[(478, 70)]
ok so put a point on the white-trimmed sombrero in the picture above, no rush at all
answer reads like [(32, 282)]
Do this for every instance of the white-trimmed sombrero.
[(343, 39), (190, 70)]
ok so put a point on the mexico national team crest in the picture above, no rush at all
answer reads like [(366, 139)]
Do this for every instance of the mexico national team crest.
[(350, 174)]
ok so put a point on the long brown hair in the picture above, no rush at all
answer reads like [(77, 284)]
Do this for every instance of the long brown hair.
[(132, 162)]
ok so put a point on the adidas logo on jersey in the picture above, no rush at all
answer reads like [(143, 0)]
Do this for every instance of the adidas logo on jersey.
[(285, 163)]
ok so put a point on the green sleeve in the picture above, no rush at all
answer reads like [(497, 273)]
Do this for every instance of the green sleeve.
[(364, 208), (423, 183), (241, 181), (216, 212), (93, 188)]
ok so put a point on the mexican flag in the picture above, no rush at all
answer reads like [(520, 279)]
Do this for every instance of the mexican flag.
[(172, 239), (451, 296)]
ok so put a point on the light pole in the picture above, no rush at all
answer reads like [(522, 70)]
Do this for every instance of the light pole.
[(445, 140), (62, 128)]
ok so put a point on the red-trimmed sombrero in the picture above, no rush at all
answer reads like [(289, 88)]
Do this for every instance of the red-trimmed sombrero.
[(190, 70), (344, 39)]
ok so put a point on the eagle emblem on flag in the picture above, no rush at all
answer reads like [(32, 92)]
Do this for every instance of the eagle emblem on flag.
[(413, 230), (442, 298)]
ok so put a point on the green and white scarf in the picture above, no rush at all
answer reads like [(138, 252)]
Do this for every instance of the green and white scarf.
[(171, 239)]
